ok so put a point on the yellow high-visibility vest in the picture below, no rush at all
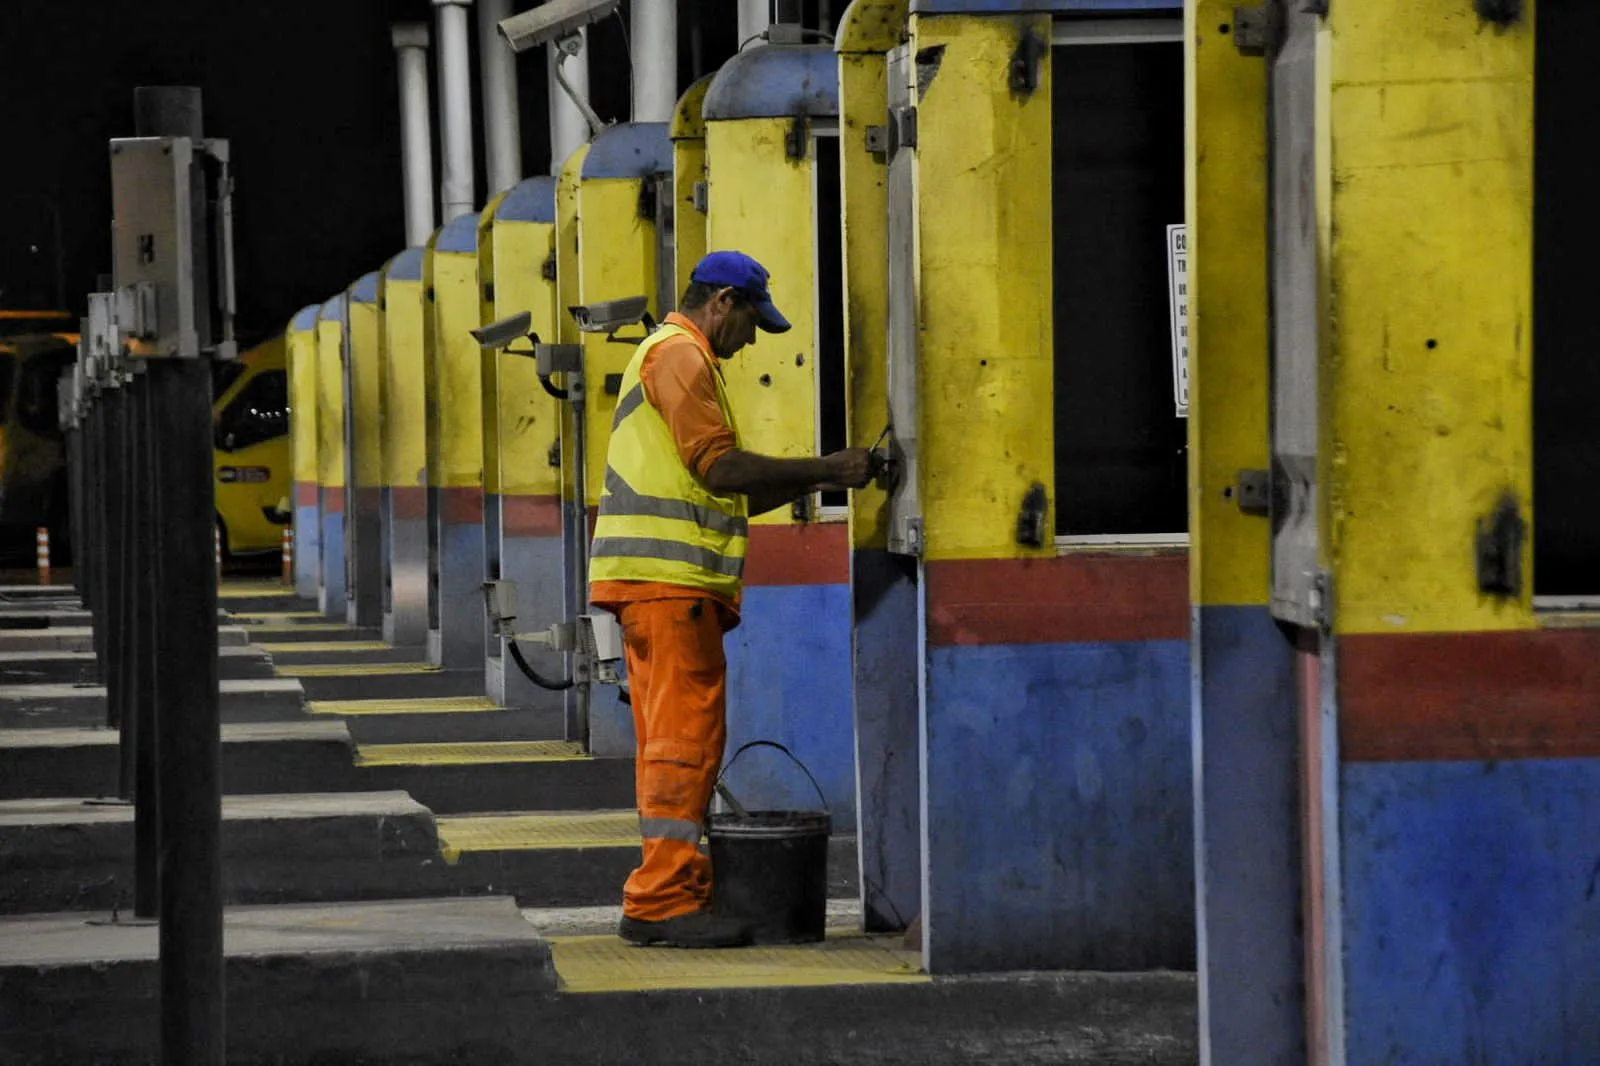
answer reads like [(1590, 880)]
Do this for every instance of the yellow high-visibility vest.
[(657, 522)]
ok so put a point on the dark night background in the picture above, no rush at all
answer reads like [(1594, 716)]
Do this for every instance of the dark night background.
[(307, 96)]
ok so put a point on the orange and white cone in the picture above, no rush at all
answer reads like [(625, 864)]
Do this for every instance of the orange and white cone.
[(41, 540)]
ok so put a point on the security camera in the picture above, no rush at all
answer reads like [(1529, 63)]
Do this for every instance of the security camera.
[(611, 315), (553, 21), (500, 334)]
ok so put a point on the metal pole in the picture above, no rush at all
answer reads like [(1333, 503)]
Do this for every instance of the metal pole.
[(455, 109), (187, 728), (118, 570), (788, 11), (655, 61), (99, 527), (146, 777), (754, 17), (502, 119), (569, 129), (416, 129)]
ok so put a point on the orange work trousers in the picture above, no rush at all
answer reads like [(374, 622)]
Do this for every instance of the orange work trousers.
[(677, 678)]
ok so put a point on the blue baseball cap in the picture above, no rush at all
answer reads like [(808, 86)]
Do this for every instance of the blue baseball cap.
[(739, 271)]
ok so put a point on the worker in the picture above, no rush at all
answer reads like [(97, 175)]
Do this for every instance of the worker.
[(667, 560)]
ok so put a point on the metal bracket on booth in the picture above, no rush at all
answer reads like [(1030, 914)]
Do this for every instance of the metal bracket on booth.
[(1256, 29), (1253, 492), (1027, 62)]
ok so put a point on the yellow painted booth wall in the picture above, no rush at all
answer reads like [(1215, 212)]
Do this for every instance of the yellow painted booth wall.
[(1426, 178), (617, 259), (302, 366), (521, 420), (363, 404), (403, 376), (868, 32), (986, 356), (688, 171), (1229, 359), (567, 291), (330, 397), (762, 204), (455, 385)]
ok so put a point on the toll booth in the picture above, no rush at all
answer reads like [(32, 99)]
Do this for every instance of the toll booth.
[(363, 454), (332, 320), (301, 359), (1030, 556), (690, 182), (624, 202), (455, 447), (403, 507), (521, 434), (772, 150), (1396, 754), (575, 523)]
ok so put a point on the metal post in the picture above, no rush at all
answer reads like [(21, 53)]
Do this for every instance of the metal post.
[(502, 119), (189, 749), (754, 18), (146, 777), (655, 62), (416, 129), (455, 109), (187, 730), (118, 569), (569, 129)]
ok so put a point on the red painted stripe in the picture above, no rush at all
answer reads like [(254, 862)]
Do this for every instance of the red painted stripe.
[(409, 502), (531, 516), (305, 493), (1075, 598), (461, 507), (1522, 694), (815, 553), (333, 501)]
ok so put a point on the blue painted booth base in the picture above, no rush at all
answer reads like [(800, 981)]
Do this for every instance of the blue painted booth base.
[(1057, 807)]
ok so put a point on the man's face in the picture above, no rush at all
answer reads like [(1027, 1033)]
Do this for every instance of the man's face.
[(732, 323)]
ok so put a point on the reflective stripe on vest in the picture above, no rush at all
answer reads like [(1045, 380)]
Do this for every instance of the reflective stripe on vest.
[(657, 521)]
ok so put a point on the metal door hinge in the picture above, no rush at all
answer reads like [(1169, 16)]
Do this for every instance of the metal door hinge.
[(1320, 600), (1027, 62), (647, 200), (1031, 531), (1499, 541), (548, 270), (1256, 29), (701, 196), (1499, 12), (902, 129), (878, 140), (1253, 492), (797, 140)]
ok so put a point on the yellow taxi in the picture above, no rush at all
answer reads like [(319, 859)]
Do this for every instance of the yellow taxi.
[(251, 458)]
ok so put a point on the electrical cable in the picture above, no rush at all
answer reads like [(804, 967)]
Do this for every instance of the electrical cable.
[(532, 674), (560, 394)]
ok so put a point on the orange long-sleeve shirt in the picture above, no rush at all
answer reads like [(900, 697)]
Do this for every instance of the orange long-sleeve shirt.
[(678, 381)]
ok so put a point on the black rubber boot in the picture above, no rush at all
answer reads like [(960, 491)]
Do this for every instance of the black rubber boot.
[(699, 929)]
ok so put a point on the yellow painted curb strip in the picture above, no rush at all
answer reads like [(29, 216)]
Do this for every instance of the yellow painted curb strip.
[(423, 705), (589, 964)]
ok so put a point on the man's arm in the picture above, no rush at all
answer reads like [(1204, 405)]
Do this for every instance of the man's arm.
[(770, 482)]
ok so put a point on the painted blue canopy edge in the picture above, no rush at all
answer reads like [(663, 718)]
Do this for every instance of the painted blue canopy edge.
[(629, 150), (306, 317), (533, 200), (365, 289), (333, 309), (460, 234), (407, 266), (775, 81)]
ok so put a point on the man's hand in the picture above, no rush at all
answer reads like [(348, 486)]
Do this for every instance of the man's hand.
[(849, 468)]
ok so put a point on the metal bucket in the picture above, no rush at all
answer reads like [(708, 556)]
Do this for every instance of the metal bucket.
[(770, 868)]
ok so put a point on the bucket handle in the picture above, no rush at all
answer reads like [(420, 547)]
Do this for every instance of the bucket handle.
[(734, 803)]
